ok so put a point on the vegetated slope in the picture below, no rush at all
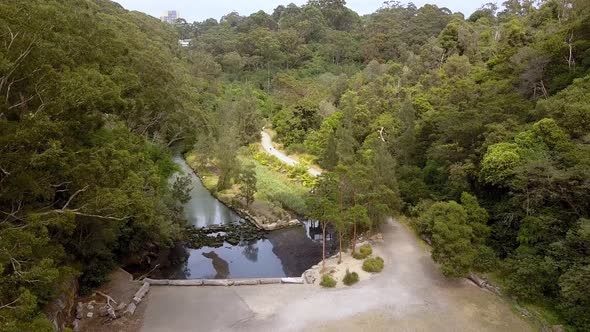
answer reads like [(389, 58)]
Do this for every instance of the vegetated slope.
[(90, 93), (475, 127)]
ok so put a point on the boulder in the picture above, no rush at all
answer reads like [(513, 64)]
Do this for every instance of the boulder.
[(377, 237), (426, 239), (121, 306), (246, 282), (61, 310), (195, 282), (299, 281), (103, 311), (79, 311), (217, 282), (90, 315), (76, 325), (268, 281), (270, 227), (309, 276), (111, 313)]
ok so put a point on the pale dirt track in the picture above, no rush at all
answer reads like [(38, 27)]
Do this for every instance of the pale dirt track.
[(409, 295), (267, 145)]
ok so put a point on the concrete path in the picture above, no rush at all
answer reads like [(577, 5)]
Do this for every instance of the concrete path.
[(266, 142), (409, 295)]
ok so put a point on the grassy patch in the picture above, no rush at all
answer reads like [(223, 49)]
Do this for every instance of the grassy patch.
[(297, 173), (276, 188), (207, 175)]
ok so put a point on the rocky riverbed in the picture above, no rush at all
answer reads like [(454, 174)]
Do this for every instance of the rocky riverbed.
[(216, 236)]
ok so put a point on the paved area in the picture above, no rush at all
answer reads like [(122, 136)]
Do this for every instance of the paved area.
[(409, 295)]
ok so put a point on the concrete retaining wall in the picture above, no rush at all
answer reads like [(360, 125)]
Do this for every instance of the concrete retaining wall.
[(225, 282)]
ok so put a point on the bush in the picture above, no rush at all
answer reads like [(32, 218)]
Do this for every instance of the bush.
[(350, 278), (373, 264), (358, 255), (328, 281), (366, 250)]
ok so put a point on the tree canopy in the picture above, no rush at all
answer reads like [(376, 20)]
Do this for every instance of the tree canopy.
[(477, 128)]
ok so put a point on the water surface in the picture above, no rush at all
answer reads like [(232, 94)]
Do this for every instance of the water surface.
[(283, 253)]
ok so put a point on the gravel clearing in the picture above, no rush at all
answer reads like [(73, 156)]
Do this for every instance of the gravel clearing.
[(409, 295)]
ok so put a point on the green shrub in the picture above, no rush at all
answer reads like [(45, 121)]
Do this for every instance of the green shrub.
[(373, 264), (358, 255), (328, 281), (350, 278), (366, 250)]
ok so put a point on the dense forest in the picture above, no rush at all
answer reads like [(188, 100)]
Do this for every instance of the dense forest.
[(476, 129)]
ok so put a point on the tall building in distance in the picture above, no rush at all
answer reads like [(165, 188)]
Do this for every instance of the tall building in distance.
[(170, 16)]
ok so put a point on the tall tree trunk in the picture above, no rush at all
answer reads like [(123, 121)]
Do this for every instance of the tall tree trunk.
[(354, 237), (268, 78), (354, 227), (340, 240), (323, 245)]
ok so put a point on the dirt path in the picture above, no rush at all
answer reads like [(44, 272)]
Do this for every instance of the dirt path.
[(409, 295), (266, 142)]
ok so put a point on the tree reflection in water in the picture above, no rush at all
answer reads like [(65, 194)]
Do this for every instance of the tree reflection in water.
[(220, 265), (251, 251)]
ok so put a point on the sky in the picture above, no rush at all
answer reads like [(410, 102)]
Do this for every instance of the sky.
[(199, 10)]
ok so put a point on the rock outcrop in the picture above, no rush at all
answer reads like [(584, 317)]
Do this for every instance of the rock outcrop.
[(61, 311)]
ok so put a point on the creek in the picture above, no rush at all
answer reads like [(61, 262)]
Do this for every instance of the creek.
[(282, 253)]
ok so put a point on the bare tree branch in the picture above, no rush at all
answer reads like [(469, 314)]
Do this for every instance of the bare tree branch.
[(13, 212), (74, 196), (109, 298), (10, 305), (61, 184), (570, 59), (381, 134), (22, 102), (82, 214), (150, 272)]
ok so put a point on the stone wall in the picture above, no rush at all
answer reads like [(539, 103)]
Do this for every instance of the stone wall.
[(226, 282)]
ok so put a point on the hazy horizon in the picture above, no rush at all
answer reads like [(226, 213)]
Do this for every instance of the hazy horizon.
[(198, 10)]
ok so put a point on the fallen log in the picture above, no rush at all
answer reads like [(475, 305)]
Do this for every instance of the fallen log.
[(130, 309), (477, 280), (141, 292)]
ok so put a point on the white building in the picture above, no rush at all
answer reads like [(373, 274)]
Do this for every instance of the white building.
[(185, 42), (170, 16)]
